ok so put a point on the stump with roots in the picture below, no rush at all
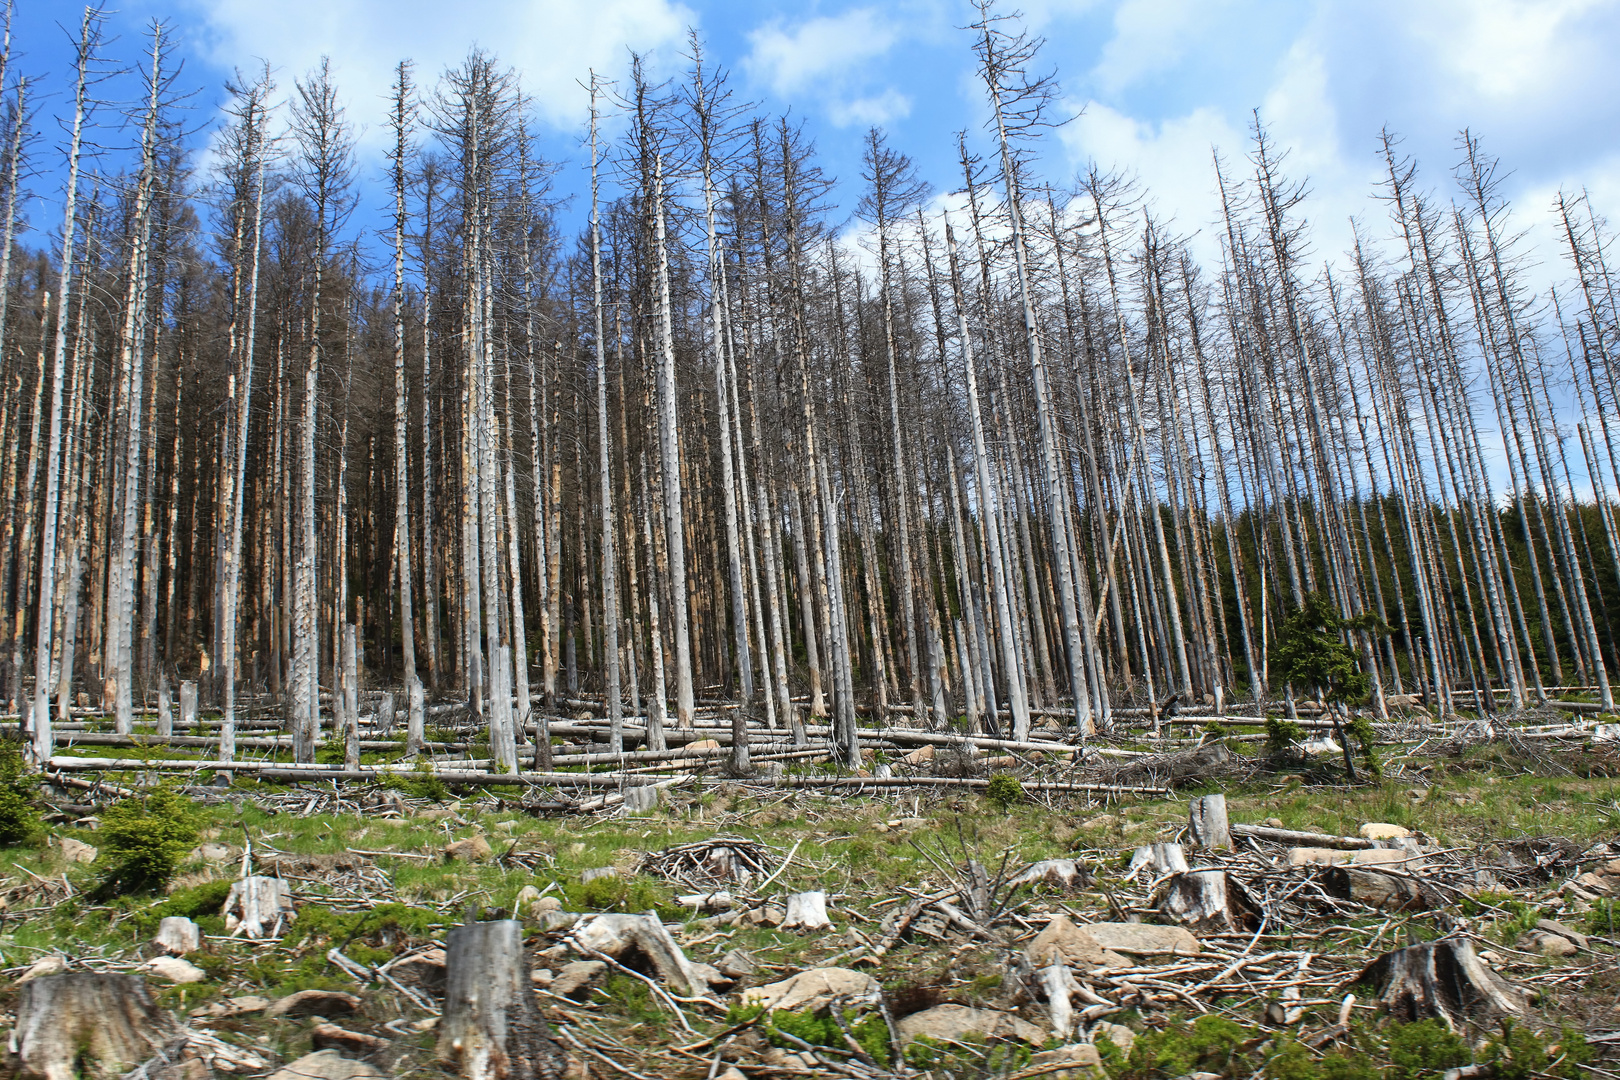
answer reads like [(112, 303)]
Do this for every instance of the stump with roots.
[(1209, 901), (640, 942), (1443, 980), (258, 908), (87, 1024), (491, 1029)]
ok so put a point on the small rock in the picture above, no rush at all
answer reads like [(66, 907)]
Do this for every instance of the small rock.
[(178, 935), (595, 872), (1063, 941), (425, 1024), (175, 969), (236, 1006), (737, 964), (575, 980), (1270, 823), (328, 1065), (1317, 856), (542, 977), (1144, 939), (472, 849), (436, 813), (315, 1003), (1546, 944), (212, 853), (510, 825), (1554, 927), (952, 1023), (920, 756), (1395, 857), (332, 1037), (813, 989), (1101, 821), (545, 904), (1599, 883), (559, 920), (1073, 1062), (78, 851), (1120, 1035), (524, 900), (732, 1073), (45, 965), (1383, 830)]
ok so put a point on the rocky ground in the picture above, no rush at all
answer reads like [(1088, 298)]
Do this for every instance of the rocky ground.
[(741, 930)]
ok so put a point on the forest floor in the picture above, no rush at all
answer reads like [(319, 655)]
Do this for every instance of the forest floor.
[(1509, 834)]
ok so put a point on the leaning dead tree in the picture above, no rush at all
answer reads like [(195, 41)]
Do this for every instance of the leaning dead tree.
[(1031, 462)]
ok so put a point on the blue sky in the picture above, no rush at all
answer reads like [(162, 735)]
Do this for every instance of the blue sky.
[(1153, 84)]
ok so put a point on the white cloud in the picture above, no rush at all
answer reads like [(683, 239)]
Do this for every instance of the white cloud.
[(1171, 159), (790, 61), (1502, 50), (553, 44), (1150, 36), (874, 111)]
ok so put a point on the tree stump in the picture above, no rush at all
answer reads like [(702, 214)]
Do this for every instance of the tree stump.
[(382, 724), (807, 911), (1442, 980), (258, 908), (1209, 901), (491, 1029), (640, 799), (97, 1025), (641, 942), (165, 720), (1160, 859), (415, 724), (178, 935), (1206, 815), (188, 705)]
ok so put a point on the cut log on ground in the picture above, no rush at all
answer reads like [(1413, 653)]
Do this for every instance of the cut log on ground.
[(491, 1029), (100, 1025), (1209, 901), (1376, 889), (1206, 815), (1442, 980), (258, 908), (1303, 839)]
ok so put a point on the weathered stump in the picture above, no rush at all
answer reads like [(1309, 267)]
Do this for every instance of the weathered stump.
[(258, 907), (1442, 980), (491, 1029), (1209, 901), (1160, 859), (188, 705), (87, 1024), (382, 723), (640, 942), (165, 720), (178, 935), (415, 724), (807, 911), (1206, 815)]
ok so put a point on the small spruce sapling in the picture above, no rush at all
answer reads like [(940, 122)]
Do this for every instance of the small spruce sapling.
[(1311, 649), (146, 837), (19, 820)]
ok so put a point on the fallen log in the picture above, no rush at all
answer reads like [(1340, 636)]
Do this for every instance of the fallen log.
[(1303, 839)]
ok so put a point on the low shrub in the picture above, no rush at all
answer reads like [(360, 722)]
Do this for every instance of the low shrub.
[(145, 837), (19, 820)]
